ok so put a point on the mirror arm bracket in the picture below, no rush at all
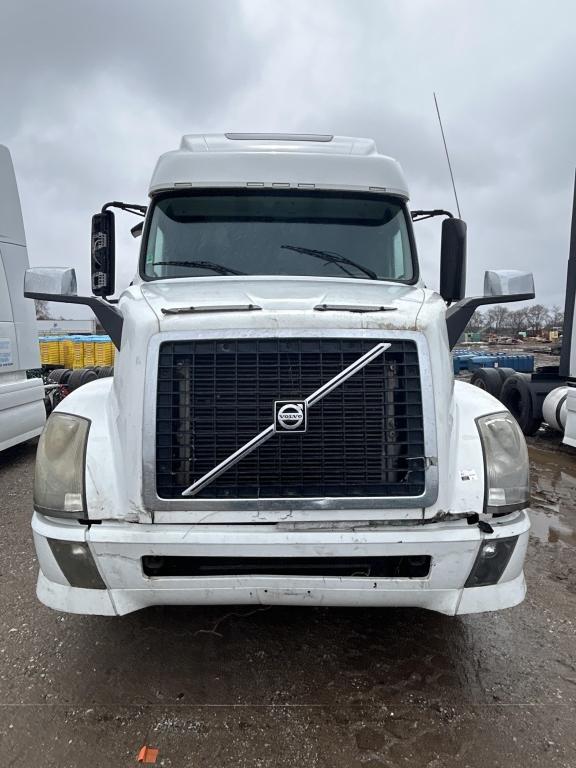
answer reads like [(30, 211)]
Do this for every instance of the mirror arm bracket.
[(109, 316), (458, 315), (137, 210)]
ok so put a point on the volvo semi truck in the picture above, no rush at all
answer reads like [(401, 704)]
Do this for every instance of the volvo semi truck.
[(22, 411), (283, 425)]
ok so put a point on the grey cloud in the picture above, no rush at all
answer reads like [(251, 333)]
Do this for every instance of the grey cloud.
[(183, 55), (90, 94)]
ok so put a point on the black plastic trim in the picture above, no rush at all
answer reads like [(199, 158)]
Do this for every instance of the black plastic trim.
[(570, 299), (110, 317), (508, 544), (459, 314), (82, 573), (368, 567)]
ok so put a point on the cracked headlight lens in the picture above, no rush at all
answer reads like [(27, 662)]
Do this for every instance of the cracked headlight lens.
[(60, 459), (507, 481)]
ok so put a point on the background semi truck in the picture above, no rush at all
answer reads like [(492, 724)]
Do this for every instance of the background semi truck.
[(283, 424), (22, 412)]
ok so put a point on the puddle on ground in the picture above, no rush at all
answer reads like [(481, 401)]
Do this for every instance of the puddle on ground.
[(553, 478)]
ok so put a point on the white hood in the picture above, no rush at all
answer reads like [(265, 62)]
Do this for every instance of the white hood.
[(283, 300), (288, 308)]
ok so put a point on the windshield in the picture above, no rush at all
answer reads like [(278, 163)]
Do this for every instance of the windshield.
[(250, 232)]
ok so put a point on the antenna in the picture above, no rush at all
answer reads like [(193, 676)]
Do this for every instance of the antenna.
[(447, 156)]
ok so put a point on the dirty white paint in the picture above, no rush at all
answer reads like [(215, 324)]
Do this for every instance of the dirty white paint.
[(116, 471), (118, 550)]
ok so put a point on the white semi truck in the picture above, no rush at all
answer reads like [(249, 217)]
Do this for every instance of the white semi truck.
[(22, 411), (283, 425)]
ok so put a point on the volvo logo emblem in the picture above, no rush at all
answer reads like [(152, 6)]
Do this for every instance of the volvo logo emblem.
[(290, 416)]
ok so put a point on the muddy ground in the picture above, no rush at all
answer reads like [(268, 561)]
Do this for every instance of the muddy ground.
[(289, 686)]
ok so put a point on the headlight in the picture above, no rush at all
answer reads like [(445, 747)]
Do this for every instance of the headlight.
[(60, 460), (506, 462)]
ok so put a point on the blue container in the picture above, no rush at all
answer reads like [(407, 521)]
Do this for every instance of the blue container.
[(464, 360), (520, 363), (481, 361)]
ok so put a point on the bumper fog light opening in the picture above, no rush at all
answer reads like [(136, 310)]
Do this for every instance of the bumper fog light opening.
[(76, 563), (491, 561)]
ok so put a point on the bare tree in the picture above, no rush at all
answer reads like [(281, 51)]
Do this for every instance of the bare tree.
[(518, 320), (477, 321), (42, 311), (537, 318), (556, 317), (497, 318)]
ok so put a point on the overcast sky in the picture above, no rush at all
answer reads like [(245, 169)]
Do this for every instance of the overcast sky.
[(91, 94)]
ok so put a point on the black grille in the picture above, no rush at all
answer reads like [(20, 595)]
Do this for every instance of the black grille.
[(364, 439)]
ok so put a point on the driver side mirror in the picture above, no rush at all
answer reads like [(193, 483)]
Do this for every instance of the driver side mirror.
[(103, 256), (453, 260)]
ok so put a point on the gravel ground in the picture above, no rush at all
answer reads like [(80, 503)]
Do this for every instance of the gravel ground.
[(289, 686)]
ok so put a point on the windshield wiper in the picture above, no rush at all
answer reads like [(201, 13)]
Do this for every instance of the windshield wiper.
[(332, 258), (219, 268), (206, 308), (353, 308)]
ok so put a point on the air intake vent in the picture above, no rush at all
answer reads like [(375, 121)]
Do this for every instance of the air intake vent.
[(389, 567), (278, 137)]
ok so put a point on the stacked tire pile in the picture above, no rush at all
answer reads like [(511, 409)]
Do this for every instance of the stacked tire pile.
[(66, 380), (518, 392)]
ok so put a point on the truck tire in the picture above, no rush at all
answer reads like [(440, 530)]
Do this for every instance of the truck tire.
[(105, 371), (79, 377), (487, 379), (59, 376), (516, 395), (504, 374), (48, 405)]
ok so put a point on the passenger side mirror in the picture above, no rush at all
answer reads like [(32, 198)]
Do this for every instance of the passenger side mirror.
[(453, 260), (500, 287), (103, 254), (508, 282), (55, 281)]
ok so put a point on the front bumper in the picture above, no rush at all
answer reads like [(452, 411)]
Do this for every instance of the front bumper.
[(117, 550)]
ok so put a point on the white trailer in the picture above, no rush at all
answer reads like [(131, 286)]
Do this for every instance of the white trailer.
[(22, 412), (283, 424)]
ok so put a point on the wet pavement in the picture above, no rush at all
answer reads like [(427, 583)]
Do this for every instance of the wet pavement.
[(290, 686)]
